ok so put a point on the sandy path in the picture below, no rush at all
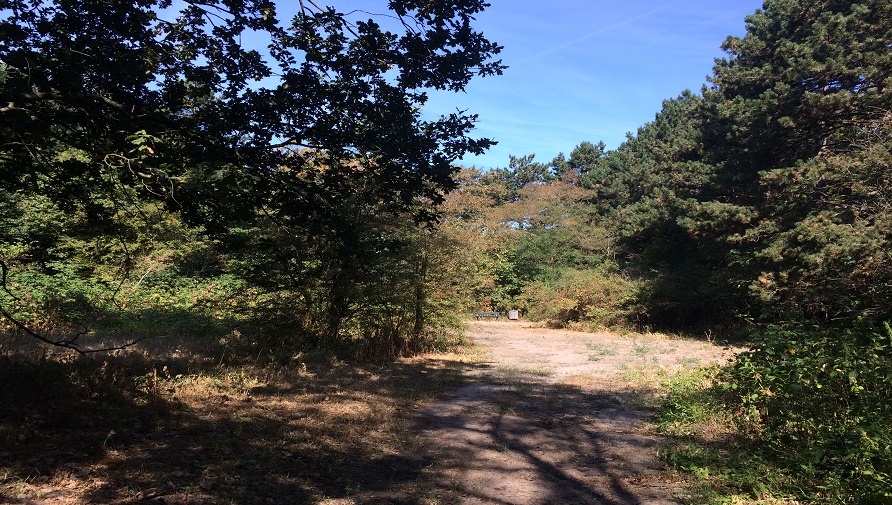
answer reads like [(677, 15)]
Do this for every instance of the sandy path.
[(548, 419)]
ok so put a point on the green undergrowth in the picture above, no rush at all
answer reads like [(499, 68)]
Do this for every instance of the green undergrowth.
[(805, 416)]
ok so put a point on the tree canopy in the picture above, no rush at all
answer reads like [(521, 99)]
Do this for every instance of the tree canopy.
[(223, 101), (255, 129)]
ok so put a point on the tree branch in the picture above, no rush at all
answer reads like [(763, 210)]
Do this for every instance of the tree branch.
[(76, 96), (66, 343)]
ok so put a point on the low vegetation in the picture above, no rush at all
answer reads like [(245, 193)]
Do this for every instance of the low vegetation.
[(186, 428), (800, 414)]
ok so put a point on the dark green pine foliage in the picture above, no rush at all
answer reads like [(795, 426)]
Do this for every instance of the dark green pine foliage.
[(798, 128), (584, 157), (644, 189), (797, 125), (659, 166), (521, 170)]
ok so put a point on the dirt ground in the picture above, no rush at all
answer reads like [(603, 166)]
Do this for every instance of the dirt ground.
[(529, 416), (555, 417)]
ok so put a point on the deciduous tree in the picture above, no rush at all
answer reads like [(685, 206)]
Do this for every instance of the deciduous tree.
[(222, 110)]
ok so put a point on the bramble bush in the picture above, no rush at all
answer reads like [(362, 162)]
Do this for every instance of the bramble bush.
[(820, 400)]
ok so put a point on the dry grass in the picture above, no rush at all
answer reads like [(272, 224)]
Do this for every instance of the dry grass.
[(581, 381), (520, 373), (127, 427)]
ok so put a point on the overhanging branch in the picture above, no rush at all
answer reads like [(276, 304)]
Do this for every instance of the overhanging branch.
[(70, 343), (67, 97)]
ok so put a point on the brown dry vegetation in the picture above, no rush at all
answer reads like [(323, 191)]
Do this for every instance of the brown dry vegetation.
[(125, 428)]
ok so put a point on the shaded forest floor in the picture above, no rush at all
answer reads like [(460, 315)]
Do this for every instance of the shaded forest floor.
[(525, 416)]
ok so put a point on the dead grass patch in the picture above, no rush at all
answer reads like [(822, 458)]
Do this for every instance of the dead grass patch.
[(127, 427), (519, 373), (581, 380)]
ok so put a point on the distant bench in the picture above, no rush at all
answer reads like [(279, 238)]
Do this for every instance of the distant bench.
[(487, 315)]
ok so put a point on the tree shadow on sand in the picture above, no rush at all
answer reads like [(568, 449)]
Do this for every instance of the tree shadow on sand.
[(175, 427), (527, 441)]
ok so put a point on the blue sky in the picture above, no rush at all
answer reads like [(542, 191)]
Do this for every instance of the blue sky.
[(579, 70), (589, 70)]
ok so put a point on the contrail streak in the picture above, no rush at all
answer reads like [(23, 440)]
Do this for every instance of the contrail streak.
[(595, 33)]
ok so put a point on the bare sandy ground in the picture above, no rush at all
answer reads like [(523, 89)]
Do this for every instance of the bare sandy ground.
[(554, 417)]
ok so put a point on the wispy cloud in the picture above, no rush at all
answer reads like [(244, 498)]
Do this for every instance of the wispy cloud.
[(595, 33)]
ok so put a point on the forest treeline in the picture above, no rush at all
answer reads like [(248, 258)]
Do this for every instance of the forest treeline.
[(155, 184), (764, 198)]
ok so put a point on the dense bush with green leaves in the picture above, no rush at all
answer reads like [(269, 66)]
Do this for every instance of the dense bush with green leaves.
[(810, 406), (597, 298), (821, 401), (805, 413), (368, 282)]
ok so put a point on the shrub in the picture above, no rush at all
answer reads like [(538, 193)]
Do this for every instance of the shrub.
[(598, 297), (820, 400)]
